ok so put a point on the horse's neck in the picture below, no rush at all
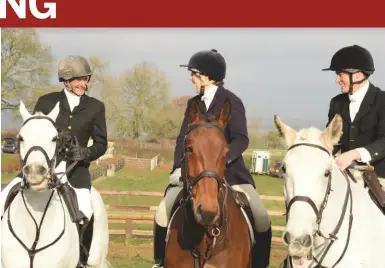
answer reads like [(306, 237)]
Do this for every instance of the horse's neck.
[(335, 204), (38, 202)]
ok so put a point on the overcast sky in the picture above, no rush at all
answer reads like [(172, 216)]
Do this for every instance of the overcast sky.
[(273, 70)]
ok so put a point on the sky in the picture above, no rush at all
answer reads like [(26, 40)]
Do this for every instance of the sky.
[(273, 70)]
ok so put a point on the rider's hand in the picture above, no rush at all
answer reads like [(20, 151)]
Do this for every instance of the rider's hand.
[(79, 153), (345, 159)]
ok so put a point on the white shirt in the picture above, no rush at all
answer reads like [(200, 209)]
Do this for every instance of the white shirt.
[(355, 102), (208, 96), (73, 100)]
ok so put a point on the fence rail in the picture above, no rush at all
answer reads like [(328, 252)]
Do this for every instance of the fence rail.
[(116, 216)]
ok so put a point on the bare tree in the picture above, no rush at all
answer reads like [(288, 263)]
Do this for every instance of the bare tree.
[(26, 66), (144, 91)]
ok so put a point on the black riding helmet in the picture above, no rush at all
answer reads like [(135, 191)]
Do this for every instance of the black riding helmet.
[(352, 59), (208, 62)]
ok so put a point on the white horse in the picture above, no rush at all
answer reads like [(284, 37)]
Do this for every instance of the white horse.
[(330, 219), (36, 229)]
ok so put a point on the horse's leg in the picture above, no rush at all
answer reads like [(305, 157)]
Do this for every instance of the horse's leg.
[(162, 217), (262, 225)]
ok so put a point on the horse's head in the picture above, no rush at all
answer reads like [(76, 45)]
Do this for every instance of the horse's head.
[(204, 163), (308, 167), (37, 144)]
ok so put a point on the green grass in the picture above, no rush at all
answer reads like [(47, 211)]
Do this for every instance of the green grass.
[(8, 158)]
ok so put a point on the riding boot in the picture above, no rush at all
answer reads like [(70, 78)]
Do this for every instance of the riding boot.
[(86, 232), (261, 249), (160, 234), (76, 216)]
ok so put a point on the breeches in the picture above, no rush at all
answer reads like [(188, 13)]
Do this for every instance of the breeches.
[(261, 217)]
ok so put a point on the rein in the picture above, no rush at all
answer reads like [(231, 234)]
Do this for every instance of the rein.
[(319, 213)]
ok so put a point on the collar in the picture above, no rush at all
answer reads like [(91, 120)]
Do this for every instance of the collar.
[(209, 93), (359, 95)]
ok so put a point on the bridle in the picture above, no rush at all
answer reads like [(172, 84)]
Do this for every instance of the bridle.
[(50, 162), (319, 212), (189, 182)]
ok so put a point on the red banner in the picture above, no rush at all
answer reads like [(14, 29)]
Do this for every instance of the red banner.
[(176, 13)]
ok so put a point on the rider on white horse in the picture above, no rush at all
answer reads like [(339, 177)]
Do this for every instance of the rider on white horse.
[(82, 117), (362, 108)]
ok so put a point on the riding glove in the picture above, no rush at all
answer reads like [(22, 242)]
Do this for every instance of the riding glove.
[(79, 154)]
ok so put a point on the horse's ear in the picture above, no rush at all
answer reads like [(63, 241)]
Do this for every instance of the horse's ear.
[(23, 111), (284, 131), (332, 134), (193, 111), (224, 114), (55, 112)]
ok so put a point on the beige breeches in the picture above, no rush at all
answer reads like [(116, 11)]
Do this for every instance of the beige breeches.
[(261, 217)]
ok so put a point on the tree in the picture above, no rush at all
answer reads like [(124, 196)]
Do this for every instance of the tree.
[(100, 72), (26, 66), (144, 91)]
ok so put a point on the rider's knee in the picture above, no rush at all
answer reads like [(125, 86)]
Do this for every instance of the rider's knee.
[(161, 217)]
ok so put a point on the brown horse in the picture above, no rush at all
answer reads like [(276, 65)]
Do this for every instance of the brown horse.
[(208, 228)]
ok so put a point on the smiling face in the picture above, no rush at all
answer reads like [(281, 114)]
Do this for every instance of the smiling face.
[(342, 79), (78, 86), (37, 140)]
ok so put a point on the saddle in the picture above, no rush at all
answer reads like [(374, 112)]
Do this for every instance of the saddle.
[(11, 195), (192, 238)]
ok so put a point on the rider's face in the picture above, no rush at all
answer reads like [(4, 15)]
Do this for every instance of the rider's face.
[(198, 80), (342, 78), (78, 86)]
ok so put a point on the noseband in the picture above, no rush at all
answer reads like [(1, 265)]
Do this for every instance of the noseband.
[(348, 197), (190, 181)]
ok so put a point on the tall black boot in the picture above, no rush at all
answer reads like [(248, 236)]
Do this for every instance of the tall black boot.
[(69, 196), (86, 240), (160, 234), (261, 249)]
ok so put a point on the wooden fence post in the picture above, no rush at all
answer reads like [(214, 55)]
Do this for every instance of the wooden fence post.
[(128, 229)]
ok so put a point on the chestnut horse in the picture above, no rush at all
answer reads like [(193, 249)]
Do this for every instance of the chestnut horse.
[(208, 228)]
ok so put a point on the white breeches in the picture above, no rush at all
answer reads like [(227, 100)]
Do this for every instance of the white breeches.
[(261, 217), (83, 195)]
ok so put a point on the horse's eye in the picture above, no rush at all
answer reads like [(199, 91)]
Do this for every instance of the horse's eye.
[(54, 139), (21, 138), (189, 149), (327, 173), (283, 168)]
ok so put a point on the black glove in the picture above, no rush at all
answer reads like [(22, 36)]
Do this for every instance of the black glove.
[(79, 154)]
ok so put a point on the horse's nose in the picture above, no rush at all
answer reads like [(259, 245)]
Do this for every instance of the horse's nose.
[(28, 169), (208, 216), (303, 240)]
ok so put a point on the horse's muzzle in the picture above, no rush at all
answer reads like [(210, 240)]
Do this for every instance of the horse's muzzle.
[(298, 246), (205, 216)]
